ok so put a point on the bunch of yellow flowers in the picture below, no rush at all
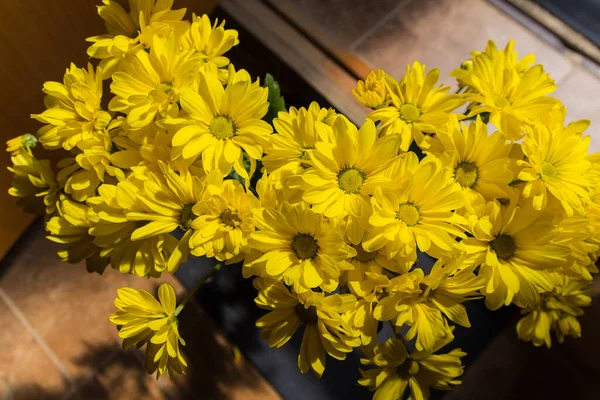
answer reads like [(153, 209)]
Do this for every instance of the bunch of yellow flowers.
[(332, 220)]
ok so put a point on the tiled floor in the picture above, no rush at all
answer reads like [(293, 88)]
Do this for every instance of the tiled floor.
[(442, 33), (57, 342)]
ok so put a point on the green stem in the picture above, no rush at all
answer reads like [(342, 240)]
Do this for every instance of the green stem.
[(199, 284)]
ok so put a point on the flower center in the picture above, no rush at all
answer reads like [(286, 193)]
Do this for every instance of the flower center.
[(187, 216), (502, 102), (350, 180), (408, 368), (466, 174), (305, 156), (504, 246), (305, 246), (408, 213), (362, 255), (222, 127), (307, 315), (231, 218), (409, 112), (426, 293), (549, 170)]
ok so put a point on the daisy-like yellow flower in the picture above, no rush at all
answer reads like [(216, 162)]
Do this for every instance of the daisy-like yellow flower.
[(224, 220), (557, 167), (419, 214), (300, 247), (515, 246), (478, 163), (73, 109), (33, 183), (25, 142), (513, 93), (578, 234), (147, 85), (367, 281), (395, 370), (288, 153), (346, 172), (211, 41), (128, 32), (169, 199), (221, 122), (112, 232), (81, 176), (557, 310), (424, 302), (70, 227), (373, 91), (417, 106), (142, 319), (325, 332)]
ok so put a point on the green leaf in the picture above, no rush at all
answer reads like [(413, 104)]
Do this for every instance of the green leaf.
[(276, 101)]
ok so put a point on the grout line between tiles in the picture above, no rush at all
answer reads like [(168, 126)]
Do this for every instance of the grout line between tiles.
[(19, 315), (376, 26)]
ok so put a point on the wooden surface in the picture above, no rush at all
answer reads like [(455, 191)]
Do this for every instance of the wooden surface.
[(317, 68), (38, 40)]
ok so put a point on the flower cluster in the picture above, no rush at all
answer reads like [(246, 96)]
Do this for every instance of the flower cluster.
[(334, 221)]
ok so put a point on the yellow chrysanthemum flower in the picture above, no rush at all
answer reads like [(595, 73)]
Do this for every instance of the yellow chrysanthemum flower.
[(288, 153), (396, 370), (33, 183), (300, 247), (211, 41), (112, 232), (221, 122), (478, 163), (373, 91), (515, 246), (71, 228), (578, 234), (325, 330), (417, 106), (424, 302), (81, 176), (73, 109), (557, 162), (142, 319), (513, 93), (346, 172), (147, 85), (557, 310), (419, 214), (224, 220), (22, 143), (367, 281), (169, 199), (131, 31)]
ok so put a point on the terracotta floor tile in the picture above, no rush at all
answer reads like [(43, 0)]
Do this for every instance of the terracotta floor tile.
[(94, 390), (442, 33), (337, 20), (67, 306), (579, 92), (23, 362), (125, 378)]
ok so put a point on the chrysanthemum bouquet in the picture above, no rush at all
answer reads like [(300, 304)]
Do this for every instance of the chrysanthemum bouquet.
[(183, 158)]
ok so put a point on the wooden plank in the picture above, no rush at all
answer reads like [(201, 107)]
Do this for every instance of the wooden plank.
[(308, 61), (317, 33), (570, 36)]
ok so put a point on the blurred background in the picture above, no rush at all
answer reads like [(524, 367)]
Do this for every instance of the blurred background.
[(57, 340)]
